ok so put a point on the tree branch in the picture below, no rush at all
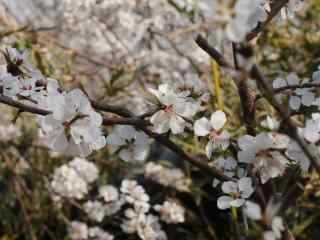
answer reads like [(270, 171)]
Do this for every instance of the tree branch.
[(134, 121), (276, 6), (293, 131), (293, 87)]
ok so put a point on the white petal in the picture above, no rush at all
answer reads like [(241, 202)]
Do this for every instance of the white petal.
[(247, 156), (295, 102), (224, 202), (218, 120), (177, 124), (160, 121), (245, 142), (307, 99), (126, 155), (245, 187), (293, 79), (237, 202), (209, 149), (279, 82), (316, 76), (252, 210), (229, 187), (311, 131), (202, 127), (269, 235)]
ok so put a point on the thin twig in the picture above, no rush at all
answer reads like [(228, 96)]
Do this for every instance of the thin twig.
[(135, 121), (293, 87), (276, 6), (293, 131)]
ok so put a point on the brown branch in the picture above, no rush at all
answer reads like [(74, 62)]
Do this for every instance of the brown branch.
[(293, 87), (216, 55), (22, 107), (247, 97), (264, 85), (135, 121), (276, 6), (180, 152)]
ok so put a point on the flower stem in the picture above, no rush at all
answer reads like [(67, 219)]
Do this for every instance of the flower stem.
[(217, 83)]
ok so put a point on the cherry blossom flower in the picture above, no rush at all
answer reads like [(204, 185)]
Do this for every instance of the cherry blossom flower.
[(171, 212), (299, 96), (133, 145), (147, 226), (295, 153), (112, 199), (247, 16), (97, 233), (270, 124), (135, 194), (229, 167), (237, 192), (292, 7), (316, 76), (74, 128), (72, 180), (277, 227), (95, 210), (177, 110), (85, 169), (252, 210), (311, 132), (218, 138), (18, 63), (109, 193), (78, 231), (166, 176), (261, 152), (67, 183)]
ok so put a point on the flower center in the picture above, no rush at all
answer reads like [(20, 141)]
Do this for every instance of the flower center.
[(214, 134), (168, 108)]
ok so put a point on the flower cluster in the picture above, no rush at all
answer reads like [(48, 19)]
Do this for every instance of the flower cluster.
[(72, 180), (73, 126), (166, 176), (132, 145)]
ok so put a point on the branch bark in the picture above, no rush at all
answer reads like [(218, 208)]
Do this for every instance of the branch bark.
[(276, 6), (128, 118)]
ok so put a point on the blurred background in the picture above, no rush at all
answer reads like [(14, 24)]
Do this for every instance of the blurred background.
[(114, 50)]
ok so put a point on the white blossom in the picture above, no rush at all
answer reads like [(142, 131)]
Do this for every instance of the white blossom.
[(72, 180), (98, 234), (109, 193), (95, 210), (252, 210), (237, 192), (135, 195), (277, 227), (85, 169), (261, 151), (297, 97), (270, 123), (172, 177), (133, 145), (74, 127), (295, 153), (178, 108), (78, 231), (218, 138), (171, 212), (228, 166), (66, 182)]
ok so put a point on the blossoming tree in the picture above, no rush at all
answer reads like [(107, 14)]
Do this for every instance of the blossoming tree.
[(252, 173)]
